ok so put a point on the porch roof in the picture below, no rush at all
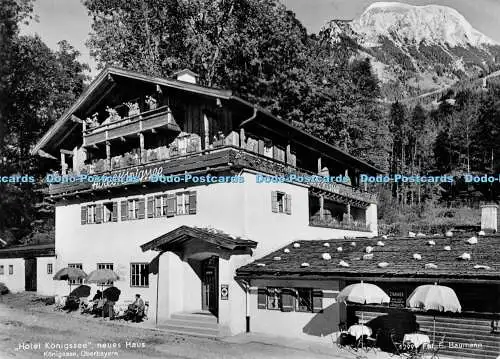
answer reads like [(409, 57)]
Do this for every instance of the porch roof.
[(305, 259), (183, 234), (24, 251)]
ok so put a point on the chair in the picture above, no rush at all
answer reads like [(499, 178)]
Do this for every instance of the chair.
[(370, 343), (398, 347)]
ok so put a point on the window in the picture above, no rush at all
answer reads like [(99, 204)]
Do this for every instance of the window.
[(139, 275), (107, 212), (1, 270), (281, 202), (75, 265), (161, 206), (11, 269), (304, 301), (133, 208), (182, 203), (91, 211), (49, 268), (273, 298), (105, 266)]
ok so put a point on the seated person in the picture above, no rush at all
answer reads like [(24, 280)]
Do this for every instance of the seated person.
[(136, 309)]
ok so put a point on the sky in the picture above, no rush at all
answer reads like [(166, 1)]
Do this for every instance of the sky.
[(68, 19)]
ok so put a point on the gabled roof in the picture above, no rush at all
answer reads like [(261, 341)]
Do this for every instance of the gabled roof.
[(183, 234), (397, 253), (103, 82), (25, 251)]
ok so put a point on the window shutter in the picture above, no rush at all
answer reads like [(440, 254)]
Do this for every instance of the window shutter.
[(192, 202), (261, 147), (317, 301), (171, 205), (123, 209), (274, 201), (142, 208), (98, 213), (114, 214), (84, 214), (288, 204), (151, 207), (261, 298), (287, 300)]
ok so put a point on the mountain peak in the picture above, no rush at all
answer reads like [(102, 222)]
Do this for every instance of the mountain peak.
[(403, 22)]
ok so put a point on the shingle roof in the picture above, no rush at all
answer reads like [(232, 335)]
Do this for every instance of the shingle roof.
[(397, 253), (33, 250)]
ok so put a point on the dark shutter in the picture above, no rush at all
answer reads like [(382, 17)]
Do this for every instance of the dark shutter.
[(262, 298), (171, 205), (142, 208), (288, 203), (317, 301), (114, 214), (287, 300), (192, 202), (84, 214), (98, 213), (274, 201), (123, 209), (151, 207)]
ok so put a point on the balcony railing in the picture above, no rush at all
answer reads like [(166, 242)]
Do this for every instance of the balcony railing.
[(333, 223), (148, 120)]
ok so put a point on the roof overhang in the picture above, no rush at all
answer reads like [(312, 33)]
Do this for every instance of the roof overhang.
[(29, 251), (178, 239)]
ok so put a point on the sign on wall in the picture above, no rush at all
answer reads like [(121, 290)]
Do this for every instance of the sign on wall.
[(224, 292)]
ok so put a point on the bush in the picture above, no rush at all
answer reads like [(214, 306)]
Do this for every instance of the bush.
[(3, 289)]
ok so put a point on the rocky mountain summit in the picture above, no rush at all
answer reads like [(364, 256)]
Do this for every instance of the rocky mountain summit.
[(417, 49)]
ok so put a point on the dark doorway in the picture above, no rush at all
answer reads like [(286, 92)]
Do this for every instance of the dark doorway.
[(30, 274), (209, 285)]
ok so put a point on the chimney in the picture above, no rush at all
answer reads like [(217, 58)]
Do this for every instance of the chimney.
[(489, 218), (186, 75)]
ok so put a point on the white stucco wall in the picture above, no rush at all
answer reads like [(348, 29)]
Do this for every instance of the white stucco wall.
[(310, 326), (15, 281), (237, 209), (45, 284)]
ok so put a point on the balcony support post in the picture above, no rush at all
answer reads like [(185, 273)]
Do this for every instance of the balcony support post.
[(206, 128), (319, 165), (322, 207), (108, 153), (63, 163), (242, 138), (348, 213), (141, 147)]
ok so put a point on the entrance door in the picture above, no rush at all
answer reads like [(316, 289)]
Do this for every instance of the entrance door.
[(30, 274), (210, 284)]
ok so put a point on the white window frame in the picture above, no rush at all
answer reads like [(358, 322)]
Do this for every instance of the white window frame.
[(133, 208), (91, 214), (50, 268), (160, 209), (75, 265), (107, 211), (105, 266), (135, 275), (182, 199)]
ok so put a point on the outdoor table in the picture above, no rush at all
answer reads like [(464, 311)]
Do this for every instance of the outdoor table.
[(357, 330), (417, 339)]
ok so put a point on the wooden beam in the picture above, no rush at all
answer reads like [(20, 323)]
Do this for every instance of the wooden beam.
[(66, 152), (76, 119)]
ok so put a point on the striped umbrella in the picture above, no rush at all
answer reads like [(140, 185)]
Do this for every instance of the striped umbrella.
[(434, 297), (101, 277)]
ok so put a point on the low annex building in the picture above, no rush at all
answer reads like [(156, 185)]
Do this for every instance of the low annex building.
[(288, 285), (28, 268)]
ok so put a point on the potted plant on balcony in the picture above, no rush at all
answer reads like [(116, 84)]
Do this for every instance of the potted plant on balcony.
[(92, 122), (133, 108), (113, 115), (151, 102)]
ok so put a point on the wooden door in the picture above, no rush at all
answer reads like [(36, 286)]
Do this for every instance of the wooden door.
[(209, 285), (30, 274)]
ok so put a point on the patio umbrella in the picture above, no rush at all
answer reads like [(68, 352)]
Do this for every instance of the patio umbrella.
[(68, 274), (101, 276), (363, 293), (82, 291), (434, 297), (111, 293)]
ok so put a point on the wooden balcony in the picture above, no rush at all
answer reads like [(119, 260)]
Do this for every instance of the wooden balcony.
[(333, 223), (232, 157), (160, 118)]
